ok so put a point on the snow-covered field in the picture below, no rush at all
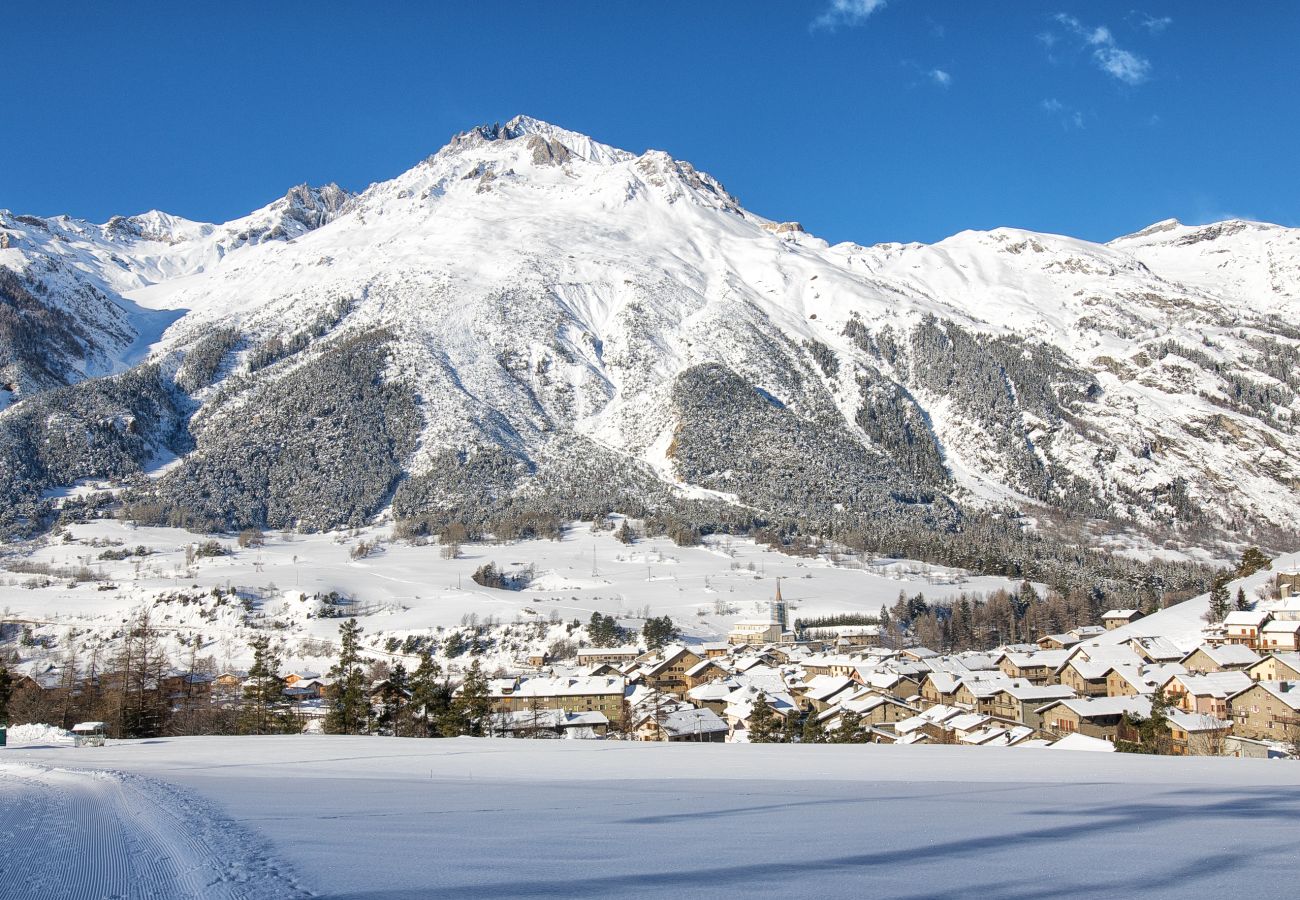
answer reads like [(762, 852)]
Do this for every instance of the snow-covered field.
[(388, 818), (403, 589)]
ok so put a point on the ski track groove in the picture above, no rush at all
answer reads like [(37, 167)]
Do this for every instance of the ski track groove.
[(91, 835)]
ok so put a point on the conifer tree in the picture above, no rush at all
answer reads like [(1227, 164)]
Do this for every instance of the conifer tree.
[(1218, 600), (265, 709), (763, 726), (1242, 603), (6, 691), (850, 729), (430, 697), (394, 712), (471, 712), (350, 710), (813, 730)]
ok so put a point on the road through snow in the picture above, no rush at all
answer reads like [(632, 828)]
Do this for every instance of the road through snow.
[(96, 835)]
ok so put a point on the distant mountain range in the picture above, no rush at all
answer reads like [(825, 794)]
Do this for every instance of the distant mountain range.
[(530, 320)]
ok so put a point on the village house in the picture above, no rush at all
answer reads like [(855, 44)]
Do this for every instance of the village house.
[(828, 664), (1279, 636), (1116, 618), (703, 672), (1019, 702), (1205, 693), (939, 688), (1267, 710), (552, 723), (874, 710), (1276, 667), (1243, 626), (595, 656), (1085, 677), (1196, 734), (823, 691), (683, 724), (1098, 717), (1224, 657), (585, 694), (1155, 650), (1037, 667), (669, 673)]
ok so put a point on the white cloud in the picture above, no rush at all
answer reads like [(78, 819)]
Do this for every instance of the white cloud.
[(1127, 67), (1068, 116), (847, 12), (1123, 65), (1154, 24), (940, 77)]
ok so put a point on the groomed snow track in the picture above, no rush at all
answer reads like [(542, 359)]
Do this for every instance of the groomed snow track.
[(79, 835)]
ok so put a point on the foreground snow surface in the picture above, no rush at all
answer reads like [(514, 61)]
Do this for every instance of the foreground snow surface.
[(386, 818)]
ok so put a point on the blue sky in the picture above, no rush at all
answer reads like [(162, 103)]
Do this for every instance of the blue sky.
[(867, 120)]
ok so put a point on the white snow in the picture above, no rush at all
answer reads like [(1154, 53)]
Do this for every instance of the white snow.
[(390, 818), (405, 589)]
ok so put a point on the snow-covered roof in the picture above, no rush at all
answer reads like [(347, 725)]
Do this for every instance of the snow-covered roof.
[(1088, 707), (1228, 654), (1077, 741), (686, 722), (1244, 618)]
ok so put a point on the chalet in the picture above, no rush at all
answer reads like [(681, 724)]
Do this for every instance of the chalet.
[(1021, 702), (716, 649), (1058, 641), (1243, 626), (1196, 734), (1038, 667), (683, 724), (824, 691), (1098, 717), (703, 672), (1276, 667), (1267, 710), (1087, 678), (1279, 636), (873, 709), (594, 656), (1117, 618), (939, 688), (1205, 693), (552, 723), (714, 695), (827, 664), (669, 674), (981, 695), (586, 694), (919, 654), (1155, 650), (888, 681), (1208, 658)]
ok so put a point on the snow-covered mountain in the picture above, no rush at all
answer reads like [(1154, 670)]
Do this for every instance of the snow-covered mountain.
[(531, 320)]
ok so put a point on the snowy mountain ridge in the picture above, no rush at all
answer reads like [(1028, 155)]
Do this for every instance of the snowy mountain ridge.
[(532, 317)]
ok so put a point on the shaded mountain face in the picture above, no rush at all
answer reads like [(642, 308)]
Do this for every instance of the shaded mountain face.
[(532, 321)]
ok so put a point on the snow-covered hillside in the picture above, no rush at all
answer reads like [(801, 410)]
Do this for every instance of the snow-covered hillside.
[(371, 817), (75, 594), (531, 318)]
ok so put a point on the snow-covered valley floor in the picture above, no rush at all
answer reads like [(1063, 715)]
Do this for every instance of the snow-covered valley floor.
[(391, 819)]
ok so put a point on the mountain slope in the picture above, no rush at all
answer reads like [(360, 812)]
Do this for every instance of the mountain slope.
[(532, 321)]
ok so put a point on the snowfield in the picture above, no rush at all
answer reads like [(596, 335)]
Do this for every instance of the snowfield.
[(388, 818), (403, 589)]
